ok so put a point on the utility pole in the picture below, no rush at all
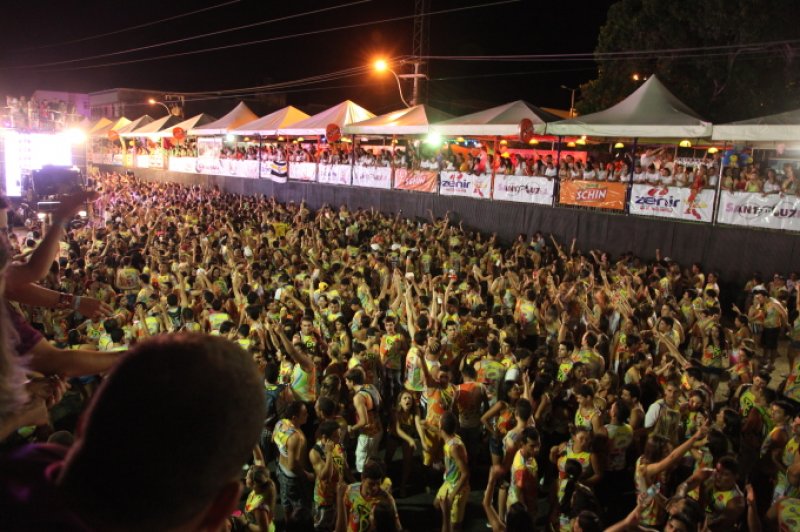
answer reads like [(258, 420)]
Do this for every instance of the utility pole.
[(420, 44)]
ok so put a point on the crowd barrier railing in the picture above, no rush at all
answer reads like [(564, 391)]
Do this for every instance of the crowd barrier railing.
[(747, 209)]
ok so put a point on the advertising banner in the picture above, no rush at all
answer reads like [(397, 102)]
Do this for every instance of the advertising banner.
[(465, 185), (523, 189), (276, 171), (157, 160), (183, 164), (303, 171), (208, 151), (236, 168), (419, 180), (593, 194), (116, 159), (142, 161), (334, 174), (752, 209), (678, 203), (372, 177)]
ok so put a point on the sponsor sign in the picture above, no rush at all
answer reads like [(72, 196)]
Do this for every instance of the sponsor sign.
[(276, 171), (116, 159), (678, 203), (334, 174), (143, 161), (465, 185), (523, 189), (208, 151), (752, 209), (303, 171), (593, 194), (372, 177), (157, 161), (419, 180), (183, 164), (236, 168)]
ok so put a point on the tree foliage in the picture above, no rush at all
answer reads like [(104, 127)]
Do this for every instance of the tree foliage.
[(719, 84)]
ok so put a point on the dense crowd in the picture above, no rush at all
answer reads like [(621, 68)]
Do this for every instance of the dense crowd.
[(583, 391)]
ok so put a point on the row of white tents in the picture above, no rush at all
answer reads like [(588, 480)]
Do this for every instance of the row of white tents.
[(651, 112)]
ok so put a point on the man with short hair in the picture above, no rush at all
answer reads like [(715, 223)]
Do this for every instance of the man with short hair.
[(451, 498), (330, 466), (161, 447), (293, 478), (367, 402), (360, 500)]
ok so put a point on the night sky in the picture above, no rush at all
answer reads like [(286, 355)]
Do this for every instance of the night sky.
[(35, 34)]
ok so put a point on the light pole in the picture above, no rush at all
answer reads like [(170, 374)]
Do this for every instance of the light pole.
[(571, 100), (153, 101), (381, 65)]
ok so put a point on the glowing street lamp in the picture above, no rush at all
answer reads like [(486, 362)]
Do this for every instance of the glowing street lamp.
[(382, 66), (153, 101)]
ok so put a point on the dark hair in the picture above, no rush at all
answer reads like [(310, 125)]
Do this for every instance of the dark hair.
[(449, 423), (523, 409), (214, 417), (271, 372), (293, 409), (327, 428), (356, 376), (372, 470)]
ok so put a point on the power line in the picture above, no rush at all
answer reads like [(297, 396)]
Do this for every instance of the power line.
[(131, 28), (201, 36), (278, 38)]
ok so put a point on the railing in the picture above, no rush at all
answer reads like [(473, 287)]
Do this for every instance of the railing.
[(747, 209)]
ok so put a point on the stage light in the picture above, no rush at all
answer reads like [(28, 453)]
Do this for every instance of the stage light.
[(460, 139), (503, 142), (230, 137), (380, 65), (75, 136), (300, 139), (533, 142), (41, 216), (713, 149), (570, 144), (280, 139), (581, 142), (82, 213), (685, 143), (619, 145), (433, 139)]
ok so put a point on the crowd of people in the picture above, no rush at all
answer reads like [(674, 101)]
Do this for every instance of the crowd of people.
[(38, 115), (394, 356)]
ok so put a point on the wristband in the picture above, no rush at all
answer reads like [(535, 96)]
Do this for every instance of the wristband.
[(76, 302)]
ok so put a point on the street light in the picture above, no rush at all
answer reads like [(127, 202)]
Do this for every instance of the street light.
[(571, 100), (153, 101), (382, 66)]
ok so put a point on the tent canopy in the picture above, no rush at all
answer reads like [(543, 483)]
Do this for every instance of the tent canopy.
[(239, 115), (100, 124), (155, 126), (502, 121), (114, 126), (415, 120), (136, 124), (650, 111), (778, 127), (188, 124), (271, 123), (342, 115)]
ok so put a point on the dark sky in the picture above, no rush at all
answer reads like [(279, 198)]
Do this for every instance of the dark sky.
[(37, 32)]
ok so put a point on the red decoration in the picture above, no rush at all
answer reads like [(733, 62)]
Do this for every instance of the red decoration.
[(178, 133), (333, 132), (113, 135), (525, 130)]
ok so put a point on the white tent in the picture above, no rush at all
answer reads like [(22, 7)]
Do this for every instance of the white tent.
[(100, 124), (415, 120), (150, 129), (651, 111), (139, 122), (342, 115), (502, 121), (103, 131), (780, 127), (271, 123), (239, 115), (188, 124)]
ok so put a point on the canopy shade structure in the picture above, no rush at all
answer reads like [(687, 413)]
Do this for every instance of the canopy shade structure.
[(100, 124), (502, 121), (777, 128), (271, 123), (136, 124), (415, 120), (343, 114), (188, 124), (650, 111), (114, 126), (239, 115), (148, 130)]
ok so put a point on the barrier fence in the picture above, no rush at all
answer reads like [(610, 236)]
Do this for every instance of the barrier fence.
[(745, 209)]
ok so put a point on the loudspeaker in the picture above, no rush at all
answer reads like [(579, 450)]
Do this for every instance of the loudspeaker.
[(55, 180)]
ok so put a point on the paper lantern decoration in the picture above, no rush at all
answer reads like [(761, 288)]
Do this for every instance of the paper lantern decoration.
[(178, 133), (113, 136), (525, 130), (333, 132)]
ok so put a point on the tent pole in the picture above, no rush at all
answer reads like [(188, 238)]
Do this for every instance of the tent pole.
[(316, 158), (495, 162), (718, 195), (629, 190), (557, 187)]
